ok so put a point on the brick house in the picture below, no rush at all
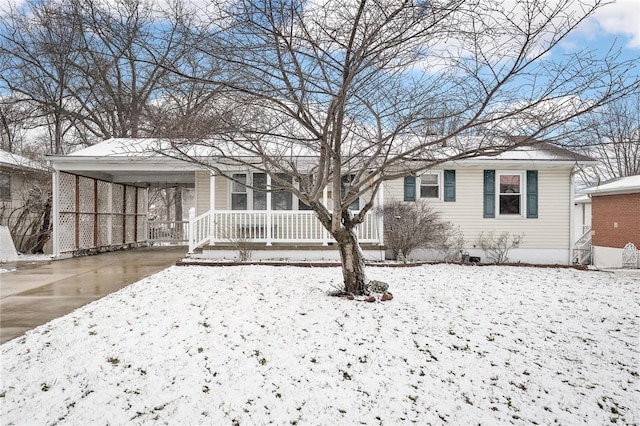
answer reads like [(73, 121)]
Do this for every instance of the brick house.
[(615, 220)]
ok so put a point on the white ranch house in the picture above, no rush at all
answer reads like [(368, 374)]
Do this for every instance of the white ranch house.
[(101, 197)]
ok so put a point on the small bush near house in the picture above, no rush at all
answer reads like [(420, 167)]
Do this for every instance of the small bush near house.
[(496, 247), (449, 242), (409, 226)]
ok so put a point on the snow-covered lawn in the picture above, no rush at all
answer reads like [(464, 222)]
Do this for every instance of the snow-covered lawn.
[(261, 344)]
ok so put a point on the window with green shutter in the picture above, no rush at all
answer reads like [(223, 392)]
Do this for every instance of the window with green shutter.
[(489, 193), (532, 194), (449, 185), (409, 188)]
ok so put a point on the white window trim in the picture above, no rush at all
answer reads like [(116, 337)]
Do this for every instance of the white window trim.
[(249, 191), (440, 175), (230, 192), (523, 194)]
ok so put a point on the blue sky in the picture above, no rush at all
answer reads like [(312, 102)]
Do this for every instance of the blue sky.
[(617, 23)]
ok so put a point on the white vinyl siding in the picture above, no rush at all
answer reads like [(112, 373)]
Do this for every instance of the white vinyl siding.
[(550, 230), (203, 193)]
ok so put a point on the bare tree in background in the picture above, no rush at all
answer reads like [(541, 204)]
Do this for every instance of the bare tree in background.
[(39, 50), (614, 140), (15, 119), (92, 67)]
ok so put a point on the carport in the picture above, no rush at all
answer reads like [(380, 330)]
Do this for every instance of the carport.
[(101, 193)]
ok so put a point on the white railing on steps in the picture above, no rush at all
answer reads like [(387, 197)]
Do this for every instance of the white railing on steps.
[(582, 248)]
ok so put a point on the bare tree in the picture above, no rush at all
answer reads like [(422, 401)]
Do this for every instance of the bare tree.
[(614, 140), (15, 119), (93, 67), (346, 94), (39, 49)]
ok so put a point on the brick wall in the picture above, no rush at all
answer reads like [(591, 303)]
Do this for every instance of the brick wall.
[(615, 220)]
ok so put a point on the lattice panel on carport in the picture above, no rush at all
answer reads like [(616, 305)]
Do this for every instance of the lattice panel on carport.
[(118, 198), (67, 193), (131, 229), (103, 230), (104, 189), (86, 231), (131, 200), (67, 232), (87, 197), (142, 228), (116, 229)]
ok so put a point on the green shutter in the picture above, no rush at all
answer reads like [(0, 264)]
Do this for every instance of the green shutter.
[(532, 194), (489, 193), (449, 185), (409, 188)]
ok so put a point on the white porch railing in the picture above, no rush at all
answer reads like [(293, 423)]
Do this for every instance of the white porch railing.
[(172, 231), (264, 226)]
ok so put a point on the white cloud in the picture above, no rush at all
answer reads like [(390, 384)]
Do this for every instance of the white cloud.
[(621, 18)]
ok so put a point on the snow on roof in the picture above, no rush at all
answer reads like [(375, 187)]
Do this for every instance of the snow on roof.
[(120, 147), (623, 185), (9, 159), (149, 147)]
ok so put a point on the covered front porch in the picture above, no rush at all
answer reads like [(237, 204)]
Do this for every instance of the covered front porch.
[(101, 203)]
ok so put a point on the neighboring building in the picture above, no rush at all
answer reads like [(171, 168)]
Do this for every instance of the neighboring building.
[(582, 215), (615, 219), (100, 201), (18, 177)]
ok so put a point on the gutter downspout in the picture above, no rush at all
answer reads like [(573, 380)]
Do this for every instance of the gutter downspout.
[(572, 236)]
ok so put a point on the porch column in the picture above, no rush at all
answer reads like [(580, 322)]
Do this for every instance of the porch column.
[(325, 202), (268, 224), (212, 208), (55, 184), (379, 219)]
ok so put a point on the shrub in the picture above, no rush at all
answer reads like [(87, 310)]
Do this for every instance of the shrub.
[(496, 248), (448, 242), (409, 226)]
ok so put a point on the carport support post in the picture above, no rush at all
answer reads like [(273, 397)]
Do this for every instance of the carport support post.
[(55, 189)]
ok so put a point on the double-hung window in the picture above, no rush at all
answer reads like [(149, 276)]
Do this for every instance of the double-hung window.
[(435, 185), (239, 196), (510, 188), (430, 185), (259, 194), (510, 194), (281, 199)]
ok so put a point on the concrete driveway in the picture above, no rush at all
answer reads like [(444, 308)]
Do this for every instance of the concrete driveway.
[(36, 293)]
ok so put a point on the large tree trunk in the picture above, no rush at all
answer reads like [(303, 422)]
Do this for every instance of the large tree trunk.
[(355, 281)]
